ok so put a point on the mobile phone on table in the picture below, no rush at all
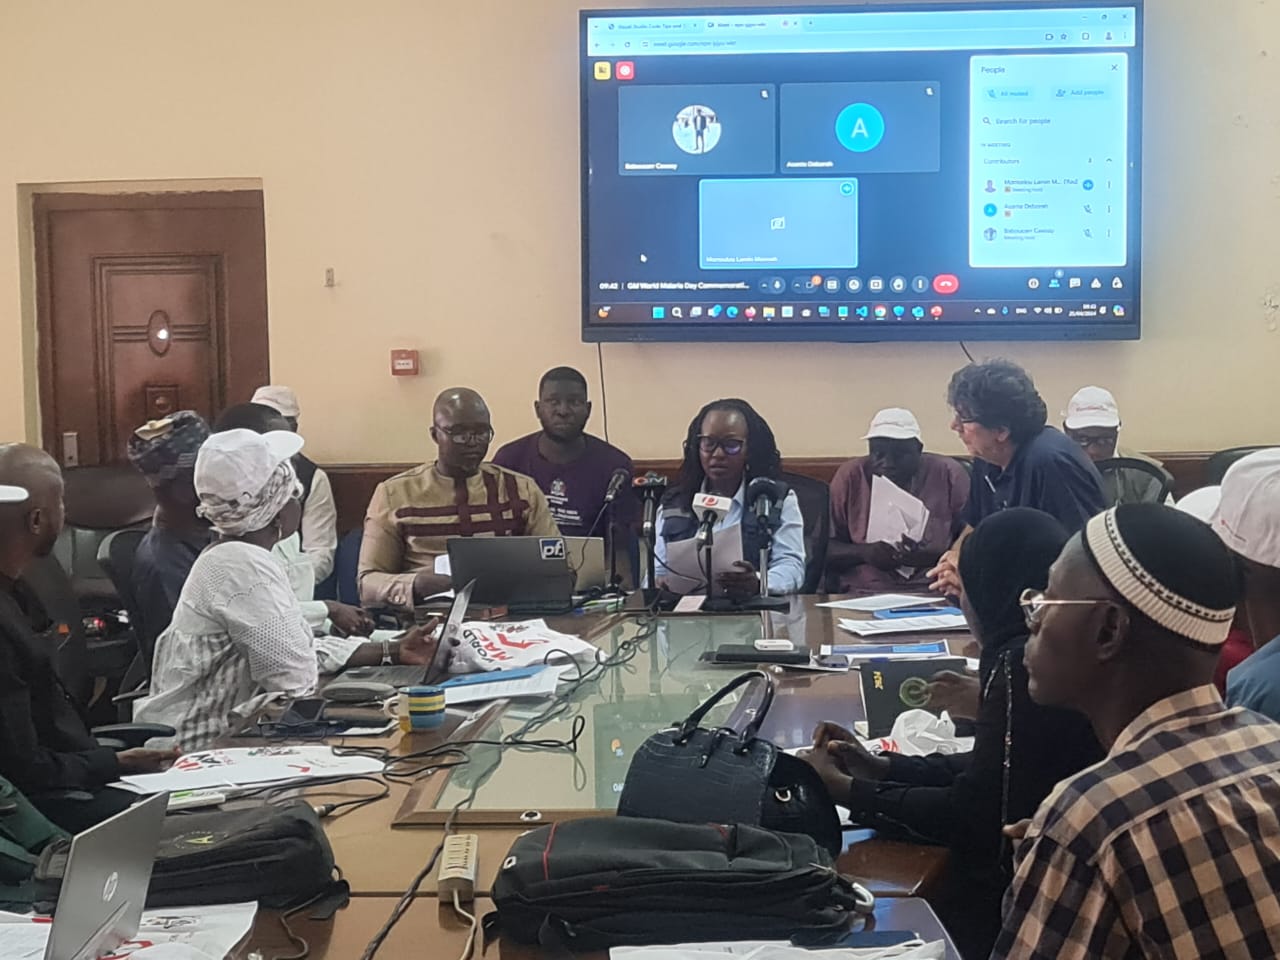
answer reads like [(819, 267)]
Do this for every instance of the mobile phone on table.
[(306, 710), (749, 653)]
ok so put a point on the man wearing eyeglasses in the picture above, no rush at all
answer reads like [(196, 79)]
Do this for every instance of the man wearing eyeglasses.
[(412, 516), (572, 467), (1169, 847), (1092, 419)]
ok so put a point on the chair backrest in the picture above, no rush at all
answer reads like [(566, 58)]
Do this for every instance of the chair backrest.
[(1130, 480), (346, 563), (115, 556), (1218, 464), (815, 507)]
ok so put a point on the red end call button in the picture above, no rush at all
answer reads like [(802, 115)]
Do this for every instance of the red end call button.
[(946, 284)]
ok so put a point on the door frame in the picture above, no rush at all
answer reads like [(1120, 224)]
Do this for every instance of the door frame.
[(42, 206)]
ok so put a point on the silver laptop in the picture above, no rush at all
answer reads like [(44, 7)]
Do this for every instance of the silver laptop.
[(524, 574), (104, 885), (586, 559), (408, 675)]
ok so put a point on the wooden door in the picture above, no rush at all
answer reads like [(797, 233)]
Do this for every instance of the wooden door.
[(147, 304)]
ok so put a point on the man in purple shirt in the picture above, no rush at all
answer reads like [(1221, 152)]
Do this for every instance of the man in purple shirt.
[(569, 465), (895, 453)]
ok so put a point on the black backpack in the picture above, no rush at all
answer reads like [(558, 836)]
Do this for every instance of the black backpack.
[(275, 854), (615, 881)]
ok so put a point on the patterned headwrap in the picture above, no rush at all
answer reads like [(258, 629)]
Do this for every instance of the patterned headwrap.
[(161, 449), (235, 518)]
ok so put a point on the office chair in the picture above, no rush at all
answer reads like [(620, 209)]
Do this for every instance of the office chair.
[(346, 564), (1158, 482), (115, 556), (98, 500), (815, 508), (1218, 464)]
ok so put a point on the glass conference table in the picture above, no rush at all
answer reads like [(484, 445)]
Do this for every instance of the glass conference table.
[(661, 680)]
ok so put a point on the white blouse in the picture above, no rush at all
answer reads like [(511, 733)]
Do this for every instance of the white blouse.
[(238, 639)]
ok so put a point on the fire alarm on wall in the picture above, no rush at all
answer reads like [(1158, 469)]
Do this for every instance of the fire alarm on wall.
[(404, 363)]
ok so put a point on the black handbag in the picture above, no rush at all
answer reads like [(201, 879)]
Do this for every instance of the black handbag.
[(690, 774)]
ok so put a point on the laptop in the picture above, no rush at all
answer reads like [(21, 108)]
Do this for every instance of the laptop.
[(527, 575), (892, 687), (104, 885), (410, 675)]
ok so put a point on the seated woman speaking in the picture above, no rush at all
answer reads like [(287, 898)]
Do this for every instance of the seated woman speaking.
[(1020, 750), (238, 638), (728, 446)]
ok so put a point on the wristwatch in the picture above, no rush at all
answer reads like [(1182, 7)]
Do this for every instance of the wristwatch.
[(386, 653)]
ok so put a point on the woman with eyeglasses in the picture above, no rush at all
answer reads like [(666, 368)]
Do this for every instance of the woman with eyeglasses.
[(1021, 750), (729, 445)]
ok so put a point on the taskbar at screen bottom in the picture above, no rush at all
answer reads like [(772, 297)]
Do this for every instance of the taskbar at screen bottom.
[(875, 320)]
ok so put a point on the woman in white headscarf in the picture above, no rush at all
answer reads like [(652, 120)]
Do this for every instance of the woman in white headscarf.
[(238, 637)]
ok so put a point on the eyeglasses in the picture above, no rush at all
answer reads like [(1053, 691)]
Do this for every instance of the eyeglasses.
[(1106, 440), (1034, 605), (730, 445), (467, 436)]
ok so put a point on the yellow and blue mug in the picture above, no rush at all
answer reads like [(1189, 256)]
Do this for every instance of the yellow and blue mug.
[(426, 707)]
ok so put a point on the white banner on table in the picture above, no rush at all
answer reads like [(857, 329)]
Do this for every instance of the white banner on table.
[(247, 766)]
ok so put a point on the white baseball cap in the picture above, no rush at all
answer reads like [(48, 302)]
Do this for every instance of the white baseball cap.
[(280, 399), (13, 494), (894, 423), (1248, 517), (1091, 407), (1201, 504), (236, 464)]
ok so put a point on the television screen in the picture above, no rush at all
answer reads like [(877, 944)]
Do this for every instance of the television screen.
[(901, 173)]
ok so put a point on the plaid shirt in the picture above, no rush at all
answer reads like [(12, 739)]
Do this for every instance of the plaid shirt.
[(1169, 848)]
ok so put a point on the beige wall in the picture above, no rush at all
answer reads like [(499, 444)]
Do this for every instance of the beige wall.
[(427, 151)]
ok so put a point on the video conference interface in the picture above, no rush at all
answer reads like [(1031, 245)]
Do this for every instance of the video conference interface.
[(856, 175)]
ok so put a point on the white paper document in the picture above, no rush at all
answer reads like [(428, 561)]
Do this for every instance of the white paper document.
[(894, 513), (210, 932), (245, 766), (536, 683), (882, 601), (880, 628), (685, 563), (765, 950)]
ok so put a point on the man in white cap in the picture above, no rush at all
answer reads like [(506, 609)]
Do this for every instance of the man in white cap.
[(319, 530), (1248, 521), (1169, 847), (46, 750), (1092, 419), (896, 453)]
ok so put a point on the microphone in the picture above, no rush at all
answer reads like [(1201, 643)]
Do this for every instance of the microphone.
[(711, 508), (763, 493), (620, 476)]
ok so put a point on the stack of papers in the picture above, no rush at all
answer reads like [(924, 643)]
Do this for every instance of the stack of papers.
[(922, 624), (888, 651), (762, 950), (205, 933), (500, 685), (883, 601), (248, 766)]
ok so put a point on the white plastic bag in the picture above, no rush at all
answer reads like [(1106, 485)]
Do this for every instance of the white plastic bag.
[(525, 643), (918, 733)]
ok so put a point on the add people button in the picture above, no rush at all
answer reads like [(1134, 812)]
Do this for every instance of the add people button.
[(946, 284)]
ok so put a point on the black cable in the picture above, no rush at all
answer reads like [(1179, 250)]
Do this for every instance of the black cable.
[(304, 948), (604, 394), (966, 351), (626, 652)]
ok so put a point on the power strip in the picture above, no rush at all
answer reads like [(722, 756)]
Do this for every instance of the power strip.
[(459, 863)]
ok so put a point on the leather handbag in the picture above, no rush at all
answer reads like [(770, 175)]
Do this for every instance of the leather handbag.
[(692, 774)]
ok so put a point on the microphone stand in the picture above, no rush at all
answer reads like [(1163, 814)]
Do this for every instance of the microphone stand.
[(648, 537), (711, 603), (767, 523), (612, 588)]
